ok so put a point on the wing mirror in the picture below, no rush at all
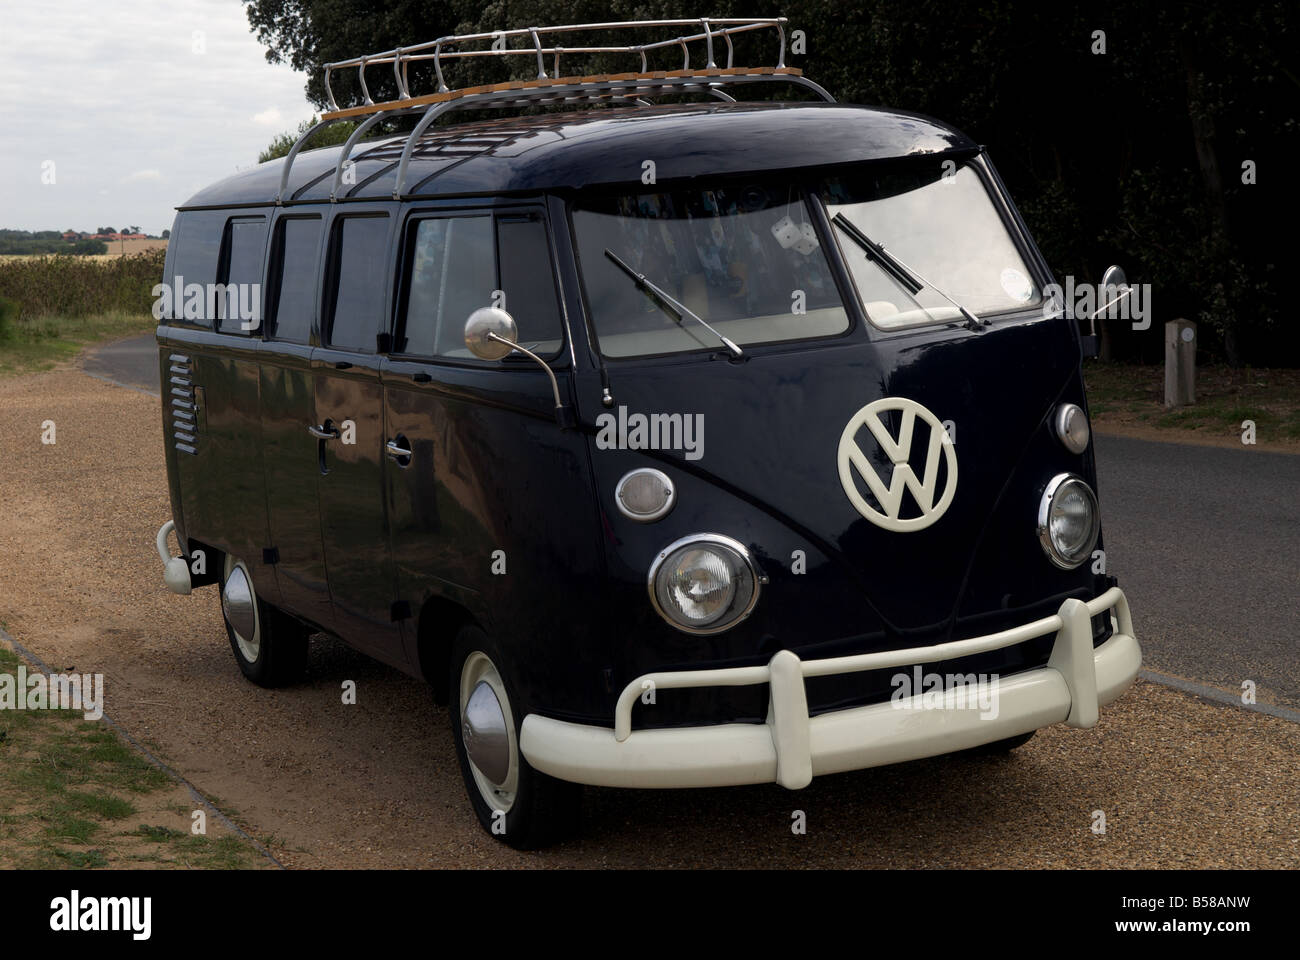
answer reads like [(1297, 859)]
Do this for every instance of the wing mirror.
[(1114, 288), (491, 334)]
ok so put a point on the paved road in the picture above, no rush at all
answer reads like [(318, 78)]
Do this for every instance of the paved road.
[(1206, 542), (132, 363)]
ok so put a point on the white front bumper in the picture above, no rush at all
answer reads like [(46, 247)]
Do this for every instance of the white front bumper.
[(791, 747)]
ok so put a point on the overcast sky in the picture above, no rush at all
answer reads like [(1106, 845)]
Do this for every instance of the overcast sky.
[(137, 103)]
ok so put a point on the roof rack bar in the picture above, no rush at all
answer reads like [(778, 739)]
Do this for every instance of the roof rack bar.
[(399, 73), (400, 56), (537, 45), (732, 24), (430, 115), (293, 154), (329, 93), (361, 73), (352, 142), (437, 68)]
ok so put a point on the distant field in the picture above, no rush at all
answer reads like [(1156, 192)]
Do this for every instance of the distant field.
[(116, 248)]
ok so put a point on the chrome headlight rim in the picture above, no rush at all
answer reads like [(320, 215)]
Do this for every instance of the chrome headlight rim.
[(670, 500), (706, 539), (1054, 486), (1068, 415)]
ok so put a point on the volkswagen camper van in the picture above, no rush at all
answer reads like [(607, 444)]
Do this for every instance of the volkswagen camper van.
[(676, 438)]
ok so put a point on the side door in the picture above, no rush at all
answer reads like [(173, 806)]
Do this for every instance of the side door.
[(488, 469), (348, 429), (288, 409)]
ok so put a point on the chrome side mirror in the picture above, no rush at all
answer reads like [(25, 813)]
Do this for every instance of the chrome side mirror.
[(490, 333), (1114, 288), (1114, 279)]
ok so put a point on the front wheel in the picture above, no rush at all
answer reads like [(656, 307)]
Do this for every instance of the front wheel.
[(515, 803), (270, 646)]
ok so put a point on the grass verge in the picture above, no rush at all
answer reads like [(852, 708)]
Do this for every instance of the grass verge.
[(1132, 397), (41, 343), (74, 795)]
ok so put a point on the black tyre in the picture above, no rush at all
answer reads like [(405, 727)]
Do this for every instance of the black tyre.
[(515, 803), (270, 646)]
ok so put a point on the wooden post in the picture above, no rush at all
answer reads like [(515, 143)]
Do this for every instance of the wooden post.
[(1180, 363)]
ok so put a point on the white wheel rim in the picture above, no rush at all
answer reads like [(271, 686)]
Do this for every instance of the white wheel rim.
[(479, 668), (249, 647)]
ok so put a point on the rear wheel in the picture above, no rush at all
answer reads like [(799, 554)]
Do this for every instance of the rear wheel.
[(270, 646), (515, 803)]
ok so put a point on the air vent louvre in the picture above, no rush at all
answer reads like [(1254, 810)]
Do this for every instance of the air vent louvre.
[(184, 405)]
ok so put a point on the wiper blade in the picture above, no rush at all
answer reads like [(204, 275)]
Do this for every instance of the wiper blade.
[(679, 309), (907, 277)]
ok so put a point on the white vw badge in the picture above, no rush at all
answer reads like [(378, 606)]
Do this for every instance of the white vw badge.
[(898, 450)]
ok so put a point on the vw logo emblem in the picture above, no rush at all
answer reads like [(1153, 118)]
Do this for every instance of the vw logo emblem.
[(904, 477)]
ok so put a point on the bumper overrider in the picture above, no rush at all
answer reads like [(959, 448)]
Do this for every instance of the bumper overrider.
[(791, 747)]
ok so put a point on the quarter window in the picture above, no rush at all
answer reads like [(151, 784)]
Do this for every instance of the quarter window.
[(359, 272), (197, 244), (238, 302), (293, 301)]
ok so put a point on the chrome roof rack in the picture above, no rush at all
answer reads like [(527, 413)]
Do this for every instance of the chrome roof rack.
[(547, 88)]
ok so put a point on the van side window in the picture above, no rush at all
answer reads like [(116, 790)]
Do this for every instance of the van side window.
[(291, 302), (458, 264), (359, 272), (453, 273), (197, 240), (528, 282), (239, 305)]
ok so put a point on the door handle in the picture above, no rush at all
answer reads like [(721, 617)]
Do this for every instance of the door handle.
[(397, 451), (320, 433)]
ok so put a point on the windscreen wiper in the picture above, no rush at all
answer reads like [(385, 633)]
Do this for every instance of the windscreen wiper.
[(674, 307), (907, 277)]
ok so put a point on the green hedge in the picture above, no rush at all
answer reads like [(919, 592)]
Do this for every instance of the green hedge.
[(77, 287)]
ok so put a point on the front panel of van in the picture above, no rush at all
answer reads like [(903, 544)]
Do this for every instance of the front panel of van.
[(766, 470)]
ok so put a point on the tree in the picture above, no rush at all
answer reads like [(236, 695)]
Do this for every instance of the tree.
[(1142, 154), (335, 133)]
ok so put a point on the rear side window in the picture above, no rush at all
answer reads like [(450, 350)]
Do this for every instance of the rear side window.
[(457, 264), (359, 272), (239, 302), (197, 245), (291, 303)]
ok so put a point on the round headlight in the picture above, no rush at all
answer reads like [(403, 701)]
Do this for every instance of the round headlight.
[(645, 495), (1068, 521), (704, 584), (1072, 427)]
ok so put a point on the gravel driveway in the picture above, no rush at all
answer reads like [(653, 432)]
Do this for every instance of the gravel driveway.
[(1182, 781)]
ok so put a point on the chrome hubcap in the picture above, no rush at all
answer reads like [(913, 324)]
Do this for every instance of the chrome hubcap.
[(240, 608), (484, 733), (488, 732)]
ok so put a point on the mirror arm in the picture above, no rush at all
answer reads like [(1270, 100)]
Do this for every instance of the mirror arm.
[(563, 413)]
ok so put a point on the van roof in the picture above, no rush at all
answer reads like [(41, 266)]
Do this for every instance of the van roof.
[(552, 151)]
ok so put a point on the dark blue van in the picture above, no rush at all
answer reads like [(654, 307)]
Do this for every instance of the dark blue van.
[(676, 441)]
